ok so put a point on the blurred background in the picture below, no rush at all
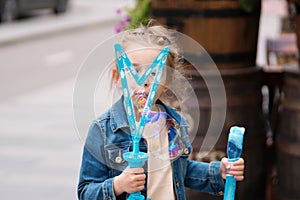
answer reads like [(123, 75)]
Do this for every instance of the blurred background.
[(43, 44)]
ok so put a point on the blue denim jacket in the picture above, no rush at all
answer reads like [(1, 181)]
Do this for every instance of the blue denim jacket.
[(109, 137)]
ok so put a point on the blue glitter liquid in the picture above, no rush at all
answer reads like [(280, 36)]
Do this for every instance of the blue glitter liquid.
[(234, 151)]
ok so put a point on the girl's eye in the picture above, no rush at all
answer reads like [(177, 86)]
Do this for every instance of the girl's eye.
[(153, 73), (138, 69)]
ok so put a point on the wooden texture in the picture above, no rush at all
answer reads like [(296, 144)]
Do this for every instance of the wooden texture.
[(288, 137), (227, 33), (244, 108)]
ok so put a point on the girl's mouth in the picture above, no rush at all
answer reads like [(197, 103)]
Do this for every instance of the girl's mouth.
[(141, 101)]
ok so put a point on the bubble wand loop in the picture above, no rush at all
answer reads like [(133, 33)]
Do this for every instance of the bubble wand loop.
[(234, 151), (136, 158)]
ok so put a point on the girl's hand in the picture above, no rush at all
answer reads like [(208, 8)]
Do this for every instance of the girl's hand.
[(130, 180), (235, 169)]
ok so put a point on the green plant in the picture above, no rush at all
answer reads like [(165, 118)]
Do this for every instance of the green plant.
[(135, 16), (139, 14), (250, 5)]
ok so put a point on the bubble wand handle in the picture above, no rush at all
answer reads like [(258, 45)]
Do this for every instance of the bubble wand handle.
[(234, 151), (135, 160)]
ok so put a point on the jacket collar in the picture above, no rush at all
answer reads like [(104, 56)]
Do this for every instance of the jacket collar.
[(119, 117)]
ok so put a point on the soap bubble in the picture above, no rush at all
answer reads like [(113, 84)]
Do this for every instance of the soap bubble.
[(94, 93)]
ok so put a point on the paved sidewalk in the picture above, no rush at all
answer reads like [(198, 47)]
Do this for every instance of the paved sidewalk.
[(40, 150), (81, 14)]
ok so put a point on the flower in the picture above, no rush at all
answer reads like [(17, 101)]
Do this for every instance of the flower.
[(123, 22)]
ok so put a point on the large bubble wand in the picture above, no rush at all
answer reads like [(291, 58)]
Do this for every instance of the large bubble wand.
[(234, 151), (136, 158)]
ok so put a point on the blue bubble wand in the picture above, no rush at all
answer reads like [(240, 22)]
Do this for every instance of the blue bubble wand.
[(234, 151), (136, 158)]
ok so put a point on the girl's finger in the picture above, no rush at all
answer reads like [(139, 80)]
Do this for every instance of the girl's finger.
[(236, 173), (141, 177), (239, 178), (239, 162), (137, 170), (237, 168)]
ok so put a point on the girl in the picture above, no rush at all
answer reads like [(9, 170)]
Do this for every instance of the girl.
[(104, 172)]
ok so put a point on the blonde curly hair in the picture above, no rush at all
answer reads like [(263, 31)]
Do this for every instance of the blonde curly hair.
[(156, 36)]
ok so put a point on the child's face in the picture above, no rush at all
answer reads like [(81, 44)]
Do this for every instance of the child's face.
[(142, 59)]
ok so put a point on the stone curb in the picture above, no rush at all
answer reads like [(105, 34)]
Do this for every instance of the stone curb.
[(62, 29)]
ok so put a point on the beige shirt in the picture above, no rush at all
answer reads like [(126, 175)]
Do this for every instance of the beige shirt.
[(160, 177)]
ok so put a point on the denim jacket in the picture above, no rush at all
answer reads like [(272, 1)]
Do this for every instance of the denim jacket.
[(109, 137)]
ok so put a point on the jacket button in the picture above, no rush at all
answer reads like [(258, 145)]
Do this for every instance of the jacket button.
[(186, 151), (118, 159), (221, 193), (177, 184)]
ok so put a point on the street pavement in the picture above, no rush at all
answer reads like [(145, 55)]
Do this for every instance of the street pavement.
[(39, 146), (40, 149), (81, 14)]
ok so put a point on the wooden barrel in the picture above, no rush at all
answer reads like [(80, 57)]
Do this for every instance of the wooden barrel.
[(295, 17), (288, 138), (223, 28), (244, 108)]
